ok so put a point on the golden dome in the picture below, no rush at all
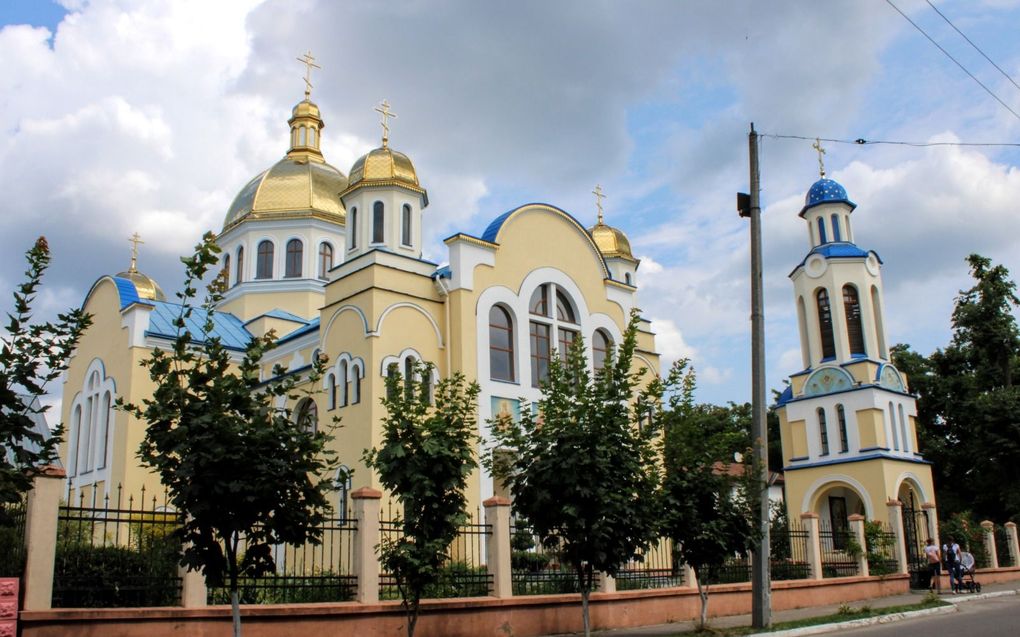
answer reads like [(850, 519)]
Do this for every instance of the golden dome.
[(610, 241), (145, 286), (294, 186), (384, 167)]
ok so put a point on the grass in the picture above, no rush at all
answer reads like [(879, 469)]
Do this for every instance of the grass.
[(844, 614)]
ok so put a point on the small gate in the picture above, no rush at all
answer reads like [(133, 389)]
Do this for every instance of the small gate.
[(915, 533)]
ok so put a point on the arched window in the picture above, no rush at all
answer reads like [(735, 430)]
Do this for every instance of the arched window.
[(627, 278), (343, 489), (501, 345), (304, 136), (331, 390), (408, 378), (821, 230), (825, 325), (311, 137), (600, 344), (892, 426), (903, 430), (378, 223), (539, 304), (405, 225), (545, 326), (564, 309), (240, 266), (844, 439), (307, 416), (823, 432), (226, 269), (854, 330), (835, 228), (75, 448), (104, 430), (805, 349), (876, 310), (264, 262), (356, 374), (295, 253), (352, 235), (343, 382), (325, 260)]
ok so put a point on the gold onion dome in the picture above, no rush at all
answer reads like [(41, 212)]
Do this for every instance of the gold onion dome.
[(384, 166), (146, 287), (611, 241)]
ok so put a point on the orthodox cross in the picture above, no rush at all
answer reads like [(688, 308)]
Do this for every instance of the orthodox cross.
[(384, 111), (134, 240), (310, 64), (599, 196), (821, 151)]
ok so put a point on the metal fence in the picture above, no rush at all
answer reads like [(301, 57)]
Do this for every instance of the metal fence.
[(735, 570), (881, 549), (116, 553), (655, 568), (1004, 548), (320, 571), (839, 550), (464, 574), (789, 553), (12, 539), (536, 568)]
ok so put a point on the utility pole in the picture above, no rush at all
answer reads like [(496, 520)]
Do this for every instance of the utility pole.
[(761, 587)]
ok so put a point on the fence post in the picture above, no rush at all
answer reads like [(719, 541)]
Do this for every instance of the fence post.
[(857, 528), (895, 509), (607, 583), (690, 577), (1014, 545), (366, 538), (933, 521), (499, 550), (41, 514), (814, 544), (989, 528)]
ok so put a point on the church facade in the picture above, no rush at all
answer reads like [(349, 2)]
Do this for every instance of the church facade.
[(332, 264)]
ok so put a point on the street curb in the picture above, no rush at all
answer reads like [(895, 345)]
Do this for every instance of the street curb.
[(860, 623), (972, 598)]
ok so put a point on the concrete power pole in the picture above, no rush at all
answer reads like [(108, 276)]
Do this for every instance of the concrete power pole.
[(761, 588)]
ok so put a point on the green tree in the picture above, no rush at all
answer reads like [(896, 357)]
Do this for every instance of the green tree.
[(31, 355), (581, 467), (426, 457), (246, 476), (706, 509)]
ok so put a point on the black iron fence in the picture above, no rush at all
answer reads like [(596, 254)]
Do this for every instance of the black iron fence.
[(536, 568), (735, 570), (113, 552), (321, 571), (789, 555), (839, 551), (654, 568), (881, 549), (12, 539)]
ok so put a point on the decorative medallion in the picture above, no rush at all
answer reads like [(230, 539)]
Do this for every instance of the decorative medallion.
[(826, 381), (889, 378)]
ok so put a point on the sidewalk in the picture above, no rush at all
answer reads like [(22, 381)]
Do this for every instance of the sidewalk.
[(669, 630)]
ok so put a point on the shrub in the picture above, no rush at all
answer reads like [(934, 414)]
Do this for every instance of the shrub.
[(115, 576), (528, 561)]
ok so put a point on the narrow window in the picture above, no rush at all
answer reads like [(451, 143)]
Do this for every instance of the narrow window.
[(501, 345), (353, 234), (844, 440), (378, 221), (342, 381), (325, 260), (405, 225), (408, 378), (76, 440), (343, 488), (903, 430), (86, 442), (240, 266), (295, 253), (876, 310), (835, 228), (308, 416), (540, 352), (892, 426), (564, 309), (600, 344), (226, 269), (331, 390), (355, 384), (627, 278), (821, 230), (104, 430), (539, 303), (566, 340), (823, 433), (304, 136), (854, 329), (825, 325), (264, 265), (311, 137)]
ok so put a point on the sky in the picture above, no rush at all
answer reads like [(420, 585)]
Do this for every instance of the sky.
[(119, 116)]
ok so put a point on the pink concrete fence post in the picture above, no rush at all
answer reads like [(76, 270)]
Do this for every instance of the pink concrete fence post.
[(41, 512), (989, 531), (895, 509), (814, 544), (366, 538), (857, 528), (1014, 545), (499, 550)]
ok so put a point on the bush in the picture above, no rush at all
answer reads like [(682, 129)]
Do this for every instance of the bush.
[(288, 589), (115, 576), (459, 579), (12, 551), (528, 561)]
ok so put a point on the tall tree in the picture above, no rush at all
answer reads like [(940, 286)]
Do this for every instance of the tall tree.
[(244, 473), (581, 467), (31, 355), (426, 457)]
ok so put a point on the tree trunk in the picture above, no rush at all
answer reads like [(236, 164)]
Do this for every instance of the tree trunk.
[(584, 581), (703, 594), (412, 616), (235, 602), (584, 612), (235, 611)]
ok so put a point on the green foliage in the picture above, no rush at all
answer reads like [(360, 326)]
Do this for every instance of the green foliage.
[(962, 527), (581, 468), (31, 355), (87, 576), (426, 456), (879, 549), (246, 476), (12, 551), (325, 586)]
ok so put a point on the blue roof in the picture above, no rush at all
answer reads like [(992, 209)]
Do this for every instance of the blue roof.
[(825, 191), (281, 314), (313, 326), (443, 273), (842, 250), (227, 327), (128, 292), (785, 397), (493, 228)]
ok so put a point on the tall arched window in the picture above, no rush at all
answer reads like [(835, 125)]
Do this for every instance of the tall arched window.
[(600, 344), (343, 488), (240, 266), (307, 416), (408, 378), (226, 269), (892, 426), (378, 223), (627, 278), (104, 430), (805, 348), (903, 430), (75, 449), (325, 260), (331, 390), (295, 254), (835, 227), (264, 262), (854, 329), (356, 374), (353, 234), (844, 439), (825, 325), (821, 230), (343, 381), (823, 432), (501, 345), (548, 327), (405, 225)]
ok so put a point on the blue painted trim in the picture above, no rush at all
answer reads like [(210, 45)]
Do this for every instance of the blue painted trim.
[(844, 250), (876, 456), (195, 341), (847, 391)]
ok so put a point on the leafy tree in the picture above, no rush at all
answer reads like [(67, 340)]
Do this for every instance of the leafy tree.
[(31, 355), (426, 456), (706, 509), (581, 468), (246, 476)]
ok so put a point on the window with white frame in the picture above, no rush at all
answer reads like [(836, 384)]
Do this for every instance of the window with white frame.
[(92, 418), (552, 316)]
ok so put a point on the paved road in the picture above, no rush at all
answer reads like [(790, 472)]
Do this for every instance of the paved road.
[(995, 617)]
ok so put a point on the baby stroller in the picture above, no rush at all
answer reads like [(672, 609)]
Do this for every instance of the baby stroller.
[(967, 568)]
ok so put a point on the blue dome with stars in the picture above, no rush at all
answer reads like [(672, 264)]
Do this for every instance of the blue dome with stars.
[(825, 191)]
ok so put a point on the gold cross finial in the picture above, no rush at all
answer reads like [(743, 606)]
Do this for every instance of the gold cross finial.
[(384, 111), (310, 64), (134, 240), (821, 151), (599, 196)]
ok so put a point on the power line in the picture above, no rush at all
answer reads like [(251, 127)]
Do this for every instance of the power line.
[(957, 62), (976, 47), (860, 141)]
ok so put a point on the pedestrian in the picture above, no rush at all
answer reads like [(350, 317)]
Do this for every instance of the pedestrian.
[(931, 551), (951, 558)]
